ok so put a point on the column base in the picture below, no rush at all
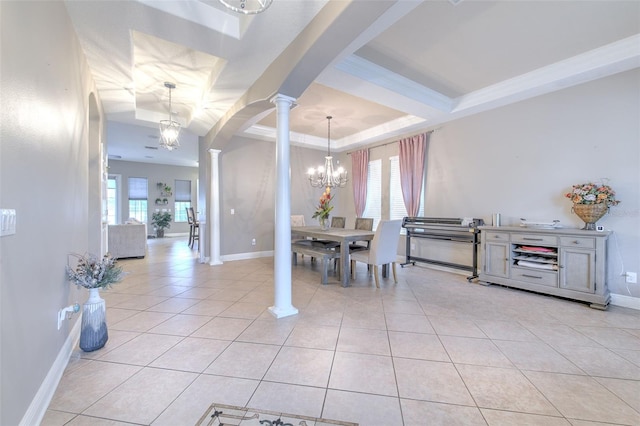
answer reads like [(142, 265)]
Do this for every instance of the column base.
[(283, 312)]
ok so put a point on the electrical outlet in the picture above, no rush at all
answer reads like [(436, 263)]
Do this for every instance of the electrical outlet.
[(253, 242), (632, 277)]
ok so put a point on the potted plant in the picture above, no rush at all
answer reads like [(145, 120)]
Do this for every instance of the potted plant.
[(160, 222)]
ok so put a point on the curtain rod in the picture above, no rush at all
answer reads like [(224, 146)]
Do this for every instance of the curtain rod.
[(428, 132)]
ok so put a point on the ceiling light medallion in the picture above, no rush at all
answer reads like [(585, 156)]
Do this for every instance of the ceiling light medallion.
[(169, 129), (326, 176), (247, 7)]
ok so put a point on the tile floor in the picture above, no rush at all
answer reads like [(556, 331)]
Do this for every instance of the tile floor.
[(433, 349)]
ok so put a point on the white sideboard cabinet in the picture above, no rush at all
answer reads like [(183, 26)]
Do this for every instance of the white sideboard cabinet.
[(568, 263)]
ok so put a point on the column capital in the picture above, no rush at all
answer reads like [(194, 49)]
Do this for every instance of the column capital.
[(283, 98), (214, 151)]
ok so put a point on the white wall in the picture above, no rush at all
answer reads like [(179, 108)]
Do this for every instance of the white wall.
[(44, 167)]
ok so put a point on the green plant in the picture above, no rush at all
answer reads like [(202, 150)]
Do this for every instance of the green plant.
[(161, 220)]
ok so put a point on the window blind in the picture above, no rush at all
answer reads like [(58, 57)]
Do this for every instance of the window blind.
[(183, 190), (138, 188)]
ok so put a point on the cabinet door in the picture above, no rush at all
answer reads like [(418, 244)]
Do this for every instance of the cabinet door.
[(496, 259), (577, 269)]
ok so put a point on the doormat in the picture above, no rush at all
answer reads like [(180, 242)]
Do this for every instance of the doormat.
[(227, 415)]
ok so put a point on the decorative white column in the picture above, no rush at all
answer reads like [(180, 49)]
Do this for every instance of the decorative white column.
[(282, 239), (213, 227)]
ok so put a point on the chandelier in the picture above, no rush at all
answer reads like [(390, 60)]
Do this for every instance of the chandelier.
[(247, 7), (169, 129), (326, 176)]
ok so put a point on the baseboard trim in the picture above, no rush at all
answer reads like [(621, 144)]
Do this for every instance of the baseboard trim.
[(245, 256), (625, 301), (38, 407)]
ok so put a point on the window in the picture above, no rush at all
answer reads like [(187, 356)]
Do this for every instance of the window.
[(112, 200), (138, 190), (373, 208), (183, 199), (397, 209)]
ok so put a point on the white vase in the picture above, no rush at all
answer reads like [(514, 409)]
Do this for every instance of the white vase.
[(93, 332)]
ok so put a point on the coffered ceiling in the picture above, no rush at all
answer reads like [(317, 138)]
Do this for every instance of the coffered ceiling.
[(380, 68)]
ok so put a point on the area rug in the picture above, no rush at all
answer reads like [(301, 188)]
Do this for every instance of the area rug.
[(223, 415)]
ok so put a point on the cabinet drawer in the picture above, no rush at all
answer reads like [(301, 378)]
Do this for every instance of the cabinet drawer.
[(547, 278), (496, 236), (578, 242), (533, 239)]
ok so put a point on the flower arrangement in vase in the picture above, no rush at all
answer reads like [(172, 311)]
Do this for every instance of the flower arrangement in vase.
[(324, 208), (591, 202), (94, 273)]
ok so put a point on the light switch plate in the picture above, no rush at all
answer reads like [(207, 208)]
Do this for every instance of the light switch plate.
[(7, 222)]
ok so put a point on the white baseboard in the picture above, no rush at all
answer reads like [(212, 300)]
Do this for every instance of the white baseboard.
[(625, 301), (38, 407), (245, 256)]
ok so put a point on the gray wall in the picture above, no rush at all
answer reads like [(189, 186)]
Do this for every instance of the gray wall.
[(44, 167), (154, 173)]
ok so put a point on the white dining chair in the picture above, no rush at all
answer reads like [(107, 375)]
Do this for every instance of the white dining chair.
[(383, 249)]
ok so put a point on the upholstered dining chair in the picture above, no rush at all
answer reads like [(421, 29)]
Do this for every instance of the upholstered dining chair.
[(194, 227), (383, 249), (364, 224)]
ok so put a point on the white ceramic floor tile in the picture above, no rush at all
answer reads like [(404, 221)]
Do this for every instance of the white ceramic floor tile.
[(84, 386), (180, 325), (374, 342), (244, 360), (143, 397), (142, 350), (205, 390), (316, 337), (503, 418), (431, 381), (285, 398), (418, 346), (191, 354), (583, 398), (222, 328), (435, 414), (363, 373), (466, 350), (362, 408), (504, 389), (301, 366), (408, 323)]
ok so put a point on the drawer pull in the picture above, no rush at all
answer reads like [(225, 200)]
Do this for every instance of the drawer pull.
[(531, 276), (533, 239)]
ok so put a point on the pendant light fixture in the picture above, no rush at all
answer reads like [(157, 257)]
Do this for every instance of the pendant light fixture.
[(169, 129), (326, 176), (247, 7)]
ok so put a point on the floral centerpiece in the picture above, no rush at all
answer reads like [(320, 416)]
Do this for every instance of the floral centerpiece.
[(92, 272), (324, 208), (591, 193), (591, 201)]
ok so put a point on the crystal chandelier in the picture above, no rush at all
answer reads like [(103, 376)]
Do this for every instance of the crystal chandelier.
[(169, 129), (247, 7), (327, 176)]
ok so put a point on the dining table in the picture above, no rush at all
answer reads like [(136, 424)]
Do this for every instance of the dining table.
[(340, 235)]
